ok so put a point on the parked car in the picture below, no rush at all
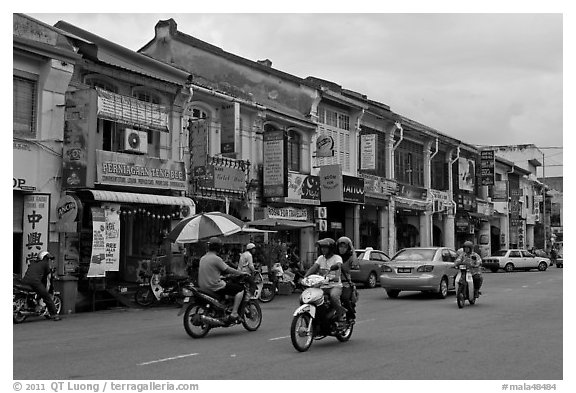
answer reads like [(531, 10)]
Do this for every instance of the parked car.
[(426, 269), (369, 268), (515, 259)]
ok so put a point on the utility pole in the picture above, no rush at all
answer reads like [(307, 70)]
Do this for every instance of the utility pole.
[(544, 202)]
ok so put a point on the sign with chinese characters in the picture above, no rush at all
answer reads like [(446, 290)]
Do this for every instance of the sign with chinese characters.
[(97, 266), (112, 237), (35, 226), (275, 167), (368, 145), (487, 167)]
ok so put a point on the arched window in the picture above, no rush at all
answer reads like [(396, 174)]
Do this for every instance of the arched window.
[(294, 150)]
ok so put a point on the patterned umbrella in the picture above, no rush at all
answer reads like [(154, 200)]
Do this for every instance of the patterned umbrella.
[(202, 226)]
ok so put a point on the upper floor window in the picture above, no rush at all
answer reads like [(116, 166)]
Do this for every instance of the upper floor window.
[(198, 113), (98, 81), (24, 107), (409, 163), (146, 96), (333, 118), (294, 150)]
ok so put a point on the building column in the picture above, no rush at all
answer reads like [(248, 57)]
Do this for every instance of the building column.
[(425, 229), (384, 227), (529, 236), (391, 227), (504, 230), (449, 234)]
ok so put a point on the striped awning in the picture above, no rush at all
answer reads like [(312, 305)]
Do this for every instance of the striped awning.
[(130, 197)]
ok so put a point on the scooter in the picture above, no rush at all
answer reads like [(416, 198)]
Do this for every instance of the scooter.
[(26, 303), (205, 310), (464, 287), (316, 319), (154, 289)]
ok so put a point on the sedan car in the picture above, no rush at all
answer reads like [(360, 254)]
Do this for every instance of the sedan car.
[(426, 269), (515, 259), (369, 267)]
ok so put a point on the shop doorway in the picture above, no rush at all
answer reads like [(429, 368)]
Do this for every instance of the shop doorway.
[(407, 236), (437, 237), (494, 239)]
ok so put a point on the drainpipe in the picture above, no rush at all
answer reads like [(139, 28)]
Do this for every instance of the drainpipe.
[(399, 126), (456, 159), (435, 152)]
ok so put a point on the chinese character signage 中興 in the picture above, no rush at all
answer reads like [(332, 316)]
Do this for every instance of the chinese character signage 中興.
[(35, 227)]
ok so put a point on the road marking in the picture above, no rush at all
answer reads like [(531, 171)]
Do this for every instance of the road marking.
[(167, 359), (277, 338)]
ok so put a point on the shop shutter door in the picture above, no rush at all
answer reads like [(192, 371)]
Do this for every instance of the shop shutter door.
[(18, 209)]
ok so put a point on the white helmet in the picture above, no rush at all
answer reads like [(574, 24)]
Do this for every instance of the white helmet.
[(250, 246), (45, 254)]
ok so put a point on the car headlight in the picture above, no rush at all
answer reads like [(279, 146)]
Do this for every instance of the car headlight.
[(425, 269), (386, 269)]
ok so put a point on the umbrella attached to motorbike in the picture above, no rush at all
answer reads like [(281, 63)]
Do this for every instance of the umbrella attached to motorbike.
[(203, 226)]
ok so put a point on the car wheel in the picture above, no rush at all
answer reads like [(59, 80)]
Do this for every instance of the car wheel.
[(371, 282), (392, 293), (542, 266), (509, 267), (442, 288)]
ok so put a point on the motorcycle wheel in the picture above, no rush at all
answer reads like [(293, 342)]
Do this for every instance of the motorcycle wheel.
[(144, 297), (345, 335), (460, 298), (268, 293), (195, 329), (301, 336), (17, 305), (57, 303), (251, 316)]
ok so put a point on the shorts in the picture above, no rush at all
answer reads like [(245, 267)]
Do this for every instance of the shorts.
[(230, 289)]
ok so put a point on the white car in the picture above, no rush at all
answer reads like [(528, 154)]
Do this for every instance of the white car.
[(515, 259)]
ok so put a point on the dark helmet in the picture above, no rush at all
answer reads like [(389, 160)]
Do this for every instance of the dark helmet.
[(326, 242), (469, 244), (214, 244)]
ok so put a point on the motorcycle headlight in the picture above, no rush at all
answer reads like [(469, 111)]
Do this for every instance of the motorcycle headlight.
[(186, 292)]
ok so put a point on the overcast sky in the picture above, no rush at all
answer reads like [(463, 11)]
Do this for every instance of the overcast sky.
[(486, 79)]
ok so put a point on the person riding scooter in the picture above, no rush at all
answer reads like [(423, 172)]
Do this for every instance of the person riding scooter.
[(36, 276), (471, 259)]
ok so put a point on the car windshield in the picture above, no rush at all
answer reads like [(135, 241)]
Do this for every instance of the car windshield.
[(416, 254), (500, 253), (360, 254)]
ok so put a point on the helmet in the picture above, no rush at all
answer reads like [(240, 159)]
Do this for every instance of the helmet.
[(347, 241), (214, 240), (250, 246), (214, 244), (326, 242), (468, 243), (45, 254)]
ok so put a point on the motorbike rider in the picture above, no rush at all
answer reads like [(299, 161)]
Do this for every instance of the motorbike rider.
[(324, 266), (348, 255), (36, 277), (210, 276), (471, 259), (246, 264)]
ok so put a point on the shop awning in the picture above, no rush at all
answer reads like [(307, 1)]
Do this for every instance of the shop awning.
[(130, 197), (279, 225)]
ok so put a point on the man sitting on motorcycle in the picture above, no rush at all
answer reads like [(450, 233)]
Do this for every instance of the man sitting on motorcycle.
[(246, 264), (348, 255), (329, 265), (471, 259), (210, 276), (36, 276)]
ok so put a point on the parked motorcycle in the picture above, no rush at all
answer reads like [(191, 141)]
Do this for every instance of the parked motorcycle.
[(464, 287), (26, 303), (206, 310), (316, 319), (155, 289), (279, 276), (266, 290)]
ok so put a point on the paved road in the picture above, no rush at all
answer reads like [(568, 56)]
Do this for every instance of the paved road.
[(513, 333)]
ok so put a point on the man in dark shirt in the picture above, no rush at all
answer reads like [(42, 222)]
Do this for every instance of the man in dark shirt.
[(36, 276)]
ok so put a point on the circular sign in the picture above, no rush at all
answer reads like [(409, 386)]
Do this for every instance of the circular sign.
[(67, 209)]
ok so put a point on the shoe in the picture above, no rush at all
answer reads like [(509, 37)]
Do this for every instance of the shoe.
[(56, 318), (230, 320)]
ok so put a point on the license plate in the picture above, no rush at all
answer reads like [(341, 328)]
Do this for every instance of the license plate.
[(186, 299), (404, 270)]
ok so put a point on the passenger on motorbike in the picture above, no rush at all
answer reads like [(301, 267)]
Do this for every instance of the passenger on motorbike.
[(329, 265), (210, 276), (348, 255), (36, 277), (246, 264), (471, 259)]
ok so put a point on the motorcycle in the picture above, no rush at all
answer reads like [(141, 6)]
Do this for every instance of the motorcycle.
[(206, 310), (464, 287), (265, 291), (155, 289), (26, 303), (289, 277), (316, 319)]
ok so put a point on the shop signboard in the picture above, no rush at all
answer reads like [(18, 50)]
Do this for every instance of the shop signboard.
[(500, 191), (466, 202), (119, 169), (112, 234), (287, 213), (35, 227), (487, 167), (331, 187), (67, 211), (275, 168), (378, 187), (24, 173), (77, 127), (368, 143), (97, 266), (324, 146), (353, 189), (411, 192), (230, 123), (466, 174), (222, 177), (302, 190), (198, 145)]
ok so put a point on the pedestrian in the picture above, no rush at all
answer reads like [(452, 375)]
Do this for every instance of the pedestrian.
[(36, 277)]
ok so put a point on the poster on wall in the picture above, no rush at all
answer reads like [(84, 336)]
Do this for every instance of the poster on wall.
[(76, 136), (275, 174), (466, 174), (368, 145), (112, 218), (97, 259), (331, 187), (35, 226), (230, 116)]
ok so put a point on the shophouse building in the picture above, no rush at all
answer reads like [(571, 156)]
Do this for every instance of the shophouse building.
[(43, 64)]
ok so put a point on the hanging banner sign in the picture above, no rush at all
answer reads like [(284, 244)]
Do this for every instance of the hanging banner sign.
[(331, 188), (112, 217), (34, 227), (302, 189), (466, 174), (275, 174), (487, 167), (368, 145), (230, 116), (97, 260)]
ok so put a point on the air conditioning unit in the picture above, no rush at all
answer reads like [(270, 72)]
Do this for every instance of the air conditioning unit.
[(321, 225), (135, 141), (185, 211), (321, 212)]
